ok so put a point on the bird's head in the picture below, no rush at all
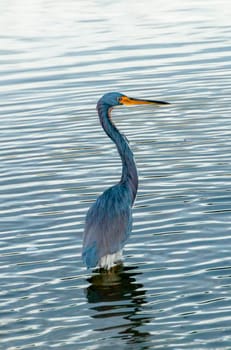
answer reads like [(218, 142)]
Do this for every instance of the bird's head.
[(112, 99)]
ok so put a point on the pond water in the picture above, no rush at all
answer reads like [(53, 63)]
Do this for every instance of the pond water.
[(57, 59)]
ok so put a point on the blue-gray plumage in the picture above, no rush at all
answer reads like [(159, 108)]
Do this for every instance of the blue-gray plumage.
[(109, 220)]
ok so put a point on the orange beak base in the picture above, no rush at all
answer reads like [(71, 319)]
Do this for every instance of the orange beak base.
[(128, 101)]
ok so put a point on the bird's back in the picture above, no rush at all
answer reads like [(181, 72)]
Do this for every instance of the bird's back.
[(107, 227)]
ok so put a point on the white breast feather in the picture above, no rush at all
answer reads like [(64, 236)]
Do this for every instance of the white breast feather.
[(109, 260)]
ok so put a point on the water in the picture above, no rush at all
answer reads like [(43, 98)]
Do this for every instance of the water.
[(57, 59)]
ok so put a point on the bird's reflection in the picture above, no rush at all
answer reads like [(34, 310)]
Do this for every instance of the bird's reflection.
[(118, 303)]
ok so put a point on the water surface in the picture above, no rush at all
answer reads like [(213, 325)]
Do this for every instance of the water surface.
[(57, 59)]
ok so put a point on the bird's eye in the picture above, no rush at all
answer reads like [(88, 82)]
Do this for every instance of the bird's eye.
[(119, 99)]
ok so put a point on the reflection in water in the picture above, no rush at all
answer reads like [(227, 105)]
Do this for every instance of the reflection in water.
[(117, 294)]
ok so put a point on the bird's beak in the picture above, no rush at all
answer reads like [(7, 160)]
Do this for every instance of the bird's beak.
[(129, 101)]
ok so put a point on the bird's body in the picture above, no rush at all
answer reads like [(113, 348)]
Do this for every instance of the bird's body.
[(111, 216), (109, 220)]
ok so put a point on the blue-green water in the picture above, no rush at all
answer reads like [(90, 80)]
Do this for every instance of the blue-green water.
[(57, 59)]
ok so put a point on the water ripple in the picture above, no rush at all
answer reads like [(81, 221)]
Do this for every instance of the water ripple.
[(173, 291)]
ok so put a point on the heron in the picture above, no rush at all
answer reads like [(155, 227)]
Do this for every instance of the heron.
[(108, 222)]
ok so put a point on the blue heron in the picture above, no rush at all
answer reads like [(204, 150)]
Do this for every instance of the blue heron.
[(109, 220)]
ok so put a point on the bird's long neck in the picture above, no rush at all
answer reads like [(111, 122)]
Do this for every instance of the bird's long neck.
[(129, 172)]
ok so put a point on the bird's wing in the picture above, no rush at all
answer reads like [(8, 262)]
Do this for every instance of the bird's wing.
[(108, 224)]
